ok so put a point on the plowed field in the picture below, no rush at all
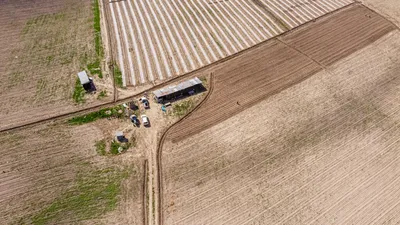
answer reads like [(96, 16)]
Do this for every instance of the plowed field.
[(339, 35), (245, 80), (323, 151), (156, 40), (52, 174), (43, 44)]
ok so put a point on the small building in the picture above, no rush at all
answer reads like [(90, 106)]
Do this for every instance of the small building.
[(183, 89), (86, 82)]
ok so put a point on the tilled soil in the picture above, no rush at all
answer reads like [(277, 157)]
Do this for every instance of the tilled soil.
[(388, 8), (337, 36), (40, 165), (323, 151), (157, 40), (43, 46), (245, 80)]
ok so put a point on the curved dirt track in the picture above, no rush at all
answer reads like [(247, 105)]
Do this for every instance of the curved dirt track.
[(161, 144)]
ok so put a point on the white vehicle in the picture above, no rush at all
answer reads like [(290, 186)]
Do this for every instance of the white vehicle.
[(145, 120)]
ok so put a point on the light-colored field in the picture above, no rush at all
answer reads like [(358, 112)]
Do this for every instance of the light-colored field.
[(156, 40), (43, 46), (281, 63), (323, 151), (388, 8), (52, 174)]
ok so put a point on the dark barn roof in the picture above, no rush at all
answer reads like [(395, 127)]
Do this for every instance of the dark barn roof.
[(180, 87)]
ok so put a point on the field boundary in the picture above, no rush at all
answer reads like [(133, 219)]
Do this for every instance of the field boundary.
[(110, 51), (145, 165), (161, 144), (167, 82)]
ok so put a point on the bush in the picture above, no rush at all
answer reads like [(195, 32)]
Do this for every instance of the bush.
[(116, 145), (103, 113)]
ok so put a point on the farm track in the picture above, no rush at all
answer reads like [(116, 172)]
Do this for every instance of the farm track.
[(175, 37), (161, 144)]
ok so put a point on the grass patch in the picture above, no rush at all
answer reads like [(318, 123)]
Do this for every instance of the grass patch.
[(182, 108), (102, 94), (94, 193), (94, 67), (97, 28), (115, 145), (79, 92), (101, 147), (118, 76), (116, 111)]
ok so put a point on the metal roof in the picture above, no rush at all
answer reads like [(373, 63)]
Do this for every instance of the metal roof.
[(172, 89), (83, 77)]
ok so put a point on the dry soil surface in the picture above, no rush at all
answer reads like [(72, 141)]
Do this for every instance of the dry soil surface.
[(44, 44), (281, 63), (321, 152), (389, 8), (48, 169)]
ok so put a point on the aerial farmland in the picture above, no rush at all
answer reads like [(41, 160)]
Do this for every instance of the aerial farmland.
[(199, 112), (157, 40)]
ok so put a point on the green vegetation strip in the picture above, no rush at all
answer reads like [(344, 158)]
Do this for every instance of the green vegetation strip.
[(94, 67), (118, 76), (94, 193), (116, 111), (79, 92)]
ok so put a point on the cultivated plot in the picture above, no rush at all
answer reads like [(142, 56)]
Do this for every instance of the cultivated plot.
[(156, 40), (282, 63), (43, 46), (321, 152), (52, 174), (321, 148)]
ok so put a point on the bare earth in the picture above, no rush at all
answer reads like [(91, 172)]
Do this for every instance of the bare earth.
[(282, 63), (42, 164), (43, 45), (388, 8), (323, 151)]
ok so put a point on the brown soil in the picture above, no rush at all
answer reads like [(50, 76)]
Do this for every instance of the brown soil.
[(337, 36), (323, 151), (246, 80), (319, 148), (270, 68), (39, 165), (388, 8), (43, 46)]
